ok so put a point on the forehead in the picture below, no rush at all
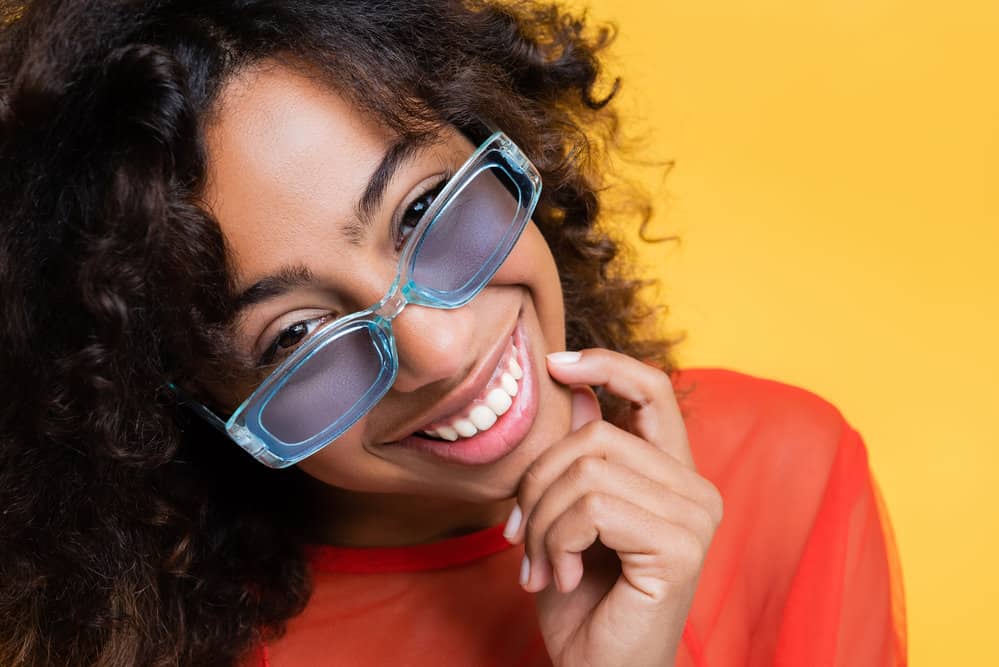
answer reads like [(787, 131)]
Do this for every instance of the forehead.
[(287, 160)]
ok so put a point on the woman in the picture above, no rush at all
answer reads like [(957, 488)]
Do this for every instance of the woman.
[(353, 242)]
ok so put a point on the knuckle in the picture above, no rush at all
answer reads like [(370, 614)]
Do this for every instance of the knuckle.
[(714, 504), (705, 523), (656, 385), (552, 542), (586, 468), (532, 475), (589, 430), (662, 382), (600, 429), (593, 503), (684, 556), (717, 507), (530, 486), (688, 552)]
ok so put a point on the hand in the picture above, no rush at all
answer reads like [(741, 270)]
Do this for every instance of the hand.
[(619, 519)]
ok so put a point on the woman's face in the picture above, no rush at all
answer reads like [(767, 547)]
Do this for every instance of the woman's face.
[(289, 161)]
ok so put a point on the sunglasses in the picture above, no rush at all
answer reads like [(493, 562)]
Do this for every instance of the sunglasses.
[(339, 374)]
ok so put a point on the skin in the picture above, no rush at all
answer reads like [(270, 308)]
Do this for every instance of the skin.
[(289, 159)]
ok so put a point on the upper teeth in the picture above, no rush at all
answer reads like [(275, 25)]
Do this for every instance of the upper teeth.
[(484, 411)]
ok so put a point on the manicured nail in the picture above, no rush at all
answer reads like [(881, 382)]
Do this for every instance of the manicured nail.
[(513, 523), (564, 357), (525, 570)]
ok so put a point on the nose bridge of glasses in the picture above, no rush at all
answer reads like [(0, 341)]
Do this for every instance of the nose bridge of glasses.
[(392, 305)]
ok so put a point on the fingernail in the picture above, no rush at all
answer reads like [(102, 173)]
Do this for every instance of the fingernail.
[(525, 570), (513, 523), (564, 357)]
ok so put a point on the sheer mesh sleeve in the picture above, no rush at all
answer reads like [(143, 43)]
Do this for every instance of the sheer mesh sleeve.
[(845, 606), (802, 570)]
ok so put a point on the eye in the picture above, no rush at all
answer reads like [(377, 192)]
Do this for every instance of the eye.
[(415, 211), (289, 338)]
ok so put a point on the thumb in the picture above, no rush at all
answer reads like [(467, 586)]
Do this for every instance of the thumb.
[(585, 407)]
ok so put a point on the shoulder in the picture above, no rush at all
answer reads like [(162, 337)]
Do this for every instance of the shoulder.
[(779, 455), (802, 538), (739, 422), (788, 466)]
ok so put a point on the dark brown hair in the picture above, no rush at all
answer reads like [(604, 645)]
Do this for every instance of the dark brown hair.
[(130, 533)]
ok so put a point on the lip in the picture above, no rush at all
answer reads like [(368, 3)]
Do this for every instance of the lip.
[(508, 431)]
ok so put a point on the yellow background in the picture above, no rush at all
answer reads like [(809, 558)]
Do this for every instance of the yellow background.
[(837, 192)]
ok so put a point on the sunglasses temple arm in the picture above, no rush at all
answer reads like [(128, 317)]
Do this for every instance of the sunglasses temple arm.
[(193, 403)]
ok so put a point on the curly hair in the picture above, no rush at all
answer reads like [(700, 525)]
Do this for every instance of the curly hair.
[(129, 533)]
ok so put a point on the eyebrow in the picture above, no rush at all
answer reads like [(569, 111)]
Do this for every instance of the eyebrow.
[(401, 151), (284, 280), (291, 277)]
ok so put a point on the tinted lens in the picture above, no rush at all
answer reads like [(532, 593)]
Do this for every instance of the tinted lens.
[(471, 236), (324, 388)]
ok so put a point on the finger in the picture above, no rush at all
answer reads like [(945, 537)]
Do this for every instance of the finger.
[(596, 475), (602, 440), (655, 413), (585, 407), (654, 553)]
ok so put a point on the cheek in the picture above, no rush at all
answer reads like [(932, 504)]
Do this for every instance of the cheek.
[(532, 264), (346, 465), (542, 278)]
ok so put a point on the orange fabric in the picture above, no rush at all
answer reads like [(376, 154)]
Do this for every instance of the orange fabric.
[(802, 569)]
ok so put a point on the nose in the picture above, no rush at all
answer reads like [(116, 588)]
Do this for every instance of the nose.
[(433, 345)]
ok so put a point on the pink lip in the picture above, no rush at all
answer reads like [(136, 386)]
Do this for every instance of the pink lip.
[(501, 438)]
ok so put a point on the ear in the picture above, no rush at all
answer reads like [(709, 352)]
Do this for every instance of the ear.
[(585, 407)]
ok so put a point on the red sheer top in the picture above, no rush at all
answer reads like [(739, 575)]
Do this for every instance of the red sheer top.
[(802, 569)]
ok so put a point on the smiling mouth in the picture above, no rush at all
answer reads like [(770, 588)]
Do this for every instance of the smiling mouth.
[(513, 375), (484, 410)]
